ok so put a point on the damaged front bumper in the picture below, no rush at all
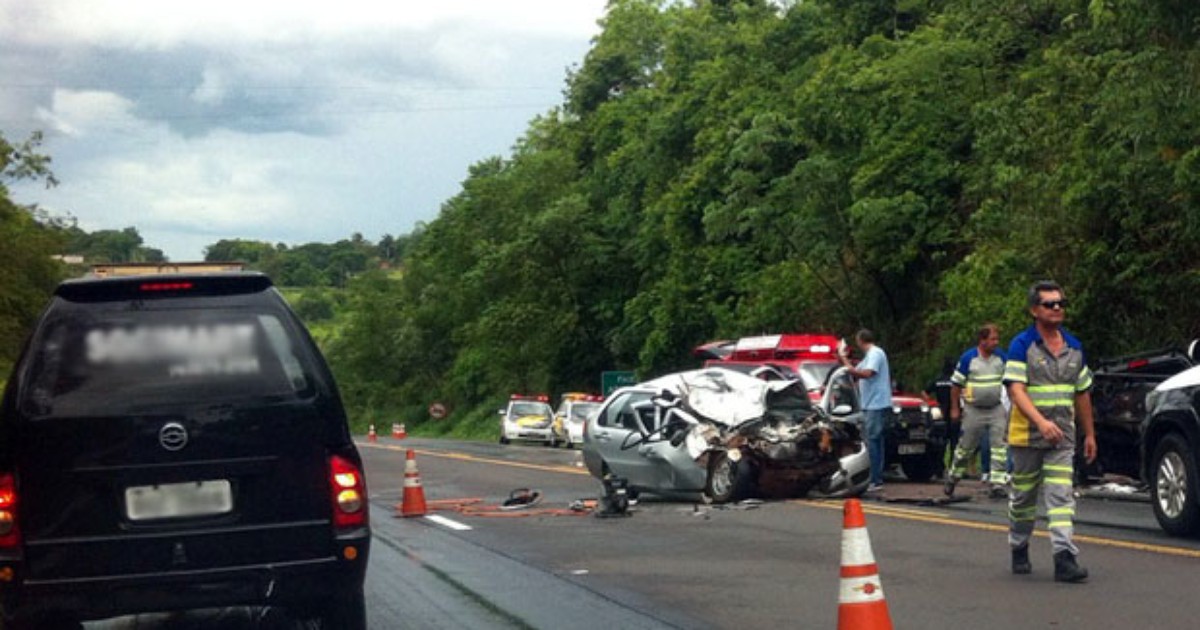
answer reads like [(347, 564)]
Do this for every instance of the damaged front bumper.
[(852, 477)]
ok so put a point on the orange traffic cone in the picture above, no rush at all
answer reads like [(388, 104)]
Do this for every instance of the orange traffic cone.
[(395, 430), (414, 494), (371, 436), (861, 605), (403, 432)]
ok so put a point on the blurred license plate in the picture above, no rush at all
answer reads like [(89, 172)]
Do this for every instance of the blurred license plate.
[(174, 500), (912, 449)]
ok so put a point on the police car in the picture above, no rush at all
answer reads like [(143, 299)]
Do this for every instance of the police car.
[(572, 414), (527, 418)]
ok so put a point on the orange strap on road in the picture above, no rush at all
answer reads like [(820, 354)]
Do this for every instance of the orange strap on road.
[(475, 506)]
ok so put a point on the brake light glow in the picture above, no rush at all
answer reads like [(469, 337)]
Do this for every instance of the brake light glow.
[(166, 286), (1139, 363), (349, 493), (10, 535)]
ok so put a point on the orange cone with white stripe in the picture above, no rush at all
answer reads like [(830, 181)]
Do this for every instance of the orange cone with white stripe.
[(403, 432), (861, 605), (371, 435), (396, 430), (414, 494)]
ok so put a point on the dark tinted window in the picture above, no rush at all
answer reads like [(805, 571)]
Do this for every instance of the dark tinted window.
[(107, 358)]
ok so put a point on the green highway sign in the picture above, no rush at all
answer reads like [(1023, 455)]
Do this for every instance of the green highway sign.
[(610, 381)]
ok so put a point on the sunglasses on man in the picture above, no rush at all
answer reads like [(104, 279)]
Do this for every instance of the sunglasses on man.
[(1054, 305)]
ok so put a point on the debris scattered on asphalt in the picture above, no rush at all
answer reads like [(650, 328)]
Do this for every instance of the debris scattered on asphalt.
[(521, 499)]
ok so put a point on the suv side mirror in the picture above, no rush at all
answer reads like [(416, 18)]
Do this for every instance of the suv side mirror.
[(842, 410), (500, 412)]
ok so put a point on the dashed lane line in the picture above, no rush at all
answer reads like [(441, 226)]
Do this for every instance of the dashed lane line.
[(447, 522)]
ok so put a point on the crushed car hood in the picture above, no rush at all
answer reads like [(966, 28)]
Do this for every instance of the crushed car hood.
[(726, 397)]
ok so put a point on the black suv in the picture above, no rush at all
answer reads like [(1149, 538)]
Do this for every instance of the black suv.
[(176, 442)]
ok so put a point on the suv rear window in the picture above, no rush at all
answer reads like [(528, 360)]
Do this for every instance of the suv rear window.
[(130, 356)]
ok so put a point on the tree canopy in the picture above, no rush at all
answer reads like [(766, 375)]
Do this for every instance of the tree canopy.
[(723, 168)]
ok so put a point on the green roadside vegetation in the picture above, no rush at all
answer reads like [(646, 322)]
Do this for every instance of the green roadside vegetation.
[(721, 168)]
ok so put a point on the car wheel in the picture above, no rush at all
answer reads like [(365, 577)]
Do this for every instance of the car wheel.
[(919, 468), (1173, 486), (345, 612), (503, 440), (727, 480)]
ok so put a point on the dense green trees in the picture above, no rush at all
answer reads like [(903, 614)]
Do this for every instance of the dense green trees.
[(27, 272), (721, 168), (312, 264)]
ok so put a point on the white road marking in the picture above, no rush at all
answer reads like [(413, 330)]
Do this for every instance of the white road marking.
[(445, 522)]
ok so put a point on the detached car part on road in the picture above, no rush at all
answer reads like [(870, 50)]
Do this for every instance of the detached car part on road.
[(175, 442), (722, 433)]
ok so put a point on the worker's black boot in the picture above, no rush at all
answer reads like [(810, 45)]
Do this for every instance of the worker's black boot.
[(1020, 560), (1066, 569)]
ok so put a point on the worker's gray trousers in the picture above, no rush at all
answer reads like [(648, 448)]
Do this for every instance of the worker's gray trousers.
[(1049, 470), (976, 420)]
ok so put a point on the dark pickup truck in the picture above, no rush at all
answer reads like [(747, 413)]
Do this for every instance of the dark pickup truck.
[(1148, 426), (1119, 399)]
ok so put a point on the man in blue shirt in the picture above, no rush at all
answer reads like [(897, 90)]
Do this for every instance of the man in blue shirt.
[(875, 387)]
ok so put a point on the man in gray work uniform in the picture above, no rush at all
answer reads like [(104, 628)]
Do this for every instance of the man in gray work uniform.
[(976, 397), (1049, 383)]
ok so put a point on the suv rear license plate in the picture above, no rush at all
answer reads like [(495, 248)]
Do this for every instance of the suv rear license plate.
[(176, 500), (916, 434), (912, 449)]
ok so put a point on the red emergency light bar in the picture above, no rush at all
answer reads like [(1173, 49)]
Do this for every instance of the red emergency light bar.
[(166, 286), (539, 397), (785, 346)]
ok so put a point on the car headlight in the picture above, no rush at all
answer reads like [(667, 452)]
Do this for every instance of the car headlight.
[(896, 409), (924, 408)]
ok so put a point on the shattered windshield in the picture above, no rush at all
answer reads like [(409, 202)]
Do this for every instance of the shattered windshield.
[(814, 373)]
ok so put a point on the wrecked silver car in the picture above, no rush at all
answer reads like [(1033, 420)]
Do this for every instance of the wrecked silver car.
[(729, 435)]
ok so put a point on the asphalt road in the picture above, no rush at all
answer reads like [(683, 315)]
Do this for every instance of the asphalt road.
[(677, 563)]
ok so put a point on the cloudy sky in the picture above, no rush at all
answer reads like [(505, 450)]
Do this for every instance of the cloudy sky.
[(289, 122)]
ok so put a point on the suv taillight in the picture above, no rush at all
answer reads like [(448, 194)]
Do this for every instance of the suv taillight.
[(10, 535), (349, 493)]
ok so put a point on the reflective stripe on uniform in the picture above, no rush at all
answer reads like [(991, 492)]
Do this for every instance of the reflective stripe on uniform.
[(1023, 514), (1058, 475), (1084, 382), (1052, 395), (1016, 371)]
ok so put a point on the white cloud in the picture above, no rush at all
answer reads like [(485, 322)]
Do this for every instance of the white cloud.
[(74, 112), (285, 122)]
